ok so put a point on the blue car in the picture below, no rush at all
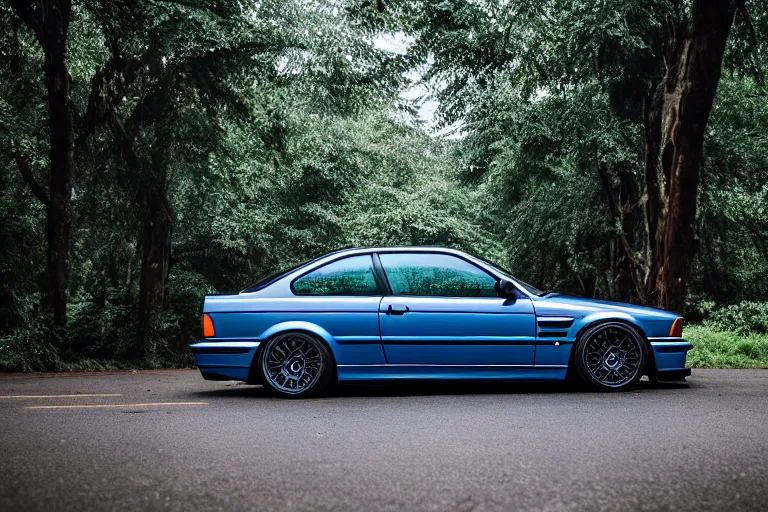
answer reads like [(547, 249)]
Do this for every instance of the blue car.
[(417, 313)]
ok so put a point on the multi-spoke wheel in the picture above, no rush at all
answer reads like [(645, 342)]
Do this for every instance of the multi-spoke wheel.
[(295, 364), (610, 356)]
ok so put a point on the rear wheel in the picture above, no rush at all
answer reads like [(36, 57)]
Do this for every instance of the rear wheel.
[(610, 356), (296, 364)]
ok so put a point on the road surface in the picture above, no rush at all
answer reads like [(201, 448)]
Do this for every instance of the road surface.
[(169, 440)]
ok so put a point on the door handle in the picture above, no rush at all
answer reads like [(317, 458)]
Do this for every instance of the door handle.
[(397, 309)]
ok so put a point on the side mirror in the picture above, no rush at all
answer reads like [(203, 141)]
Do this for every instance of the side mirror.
[(505, 289)]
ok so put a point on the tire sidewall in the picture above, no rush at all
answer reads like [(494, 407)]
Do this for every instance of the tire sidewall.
[(320, 385), (580, 365)]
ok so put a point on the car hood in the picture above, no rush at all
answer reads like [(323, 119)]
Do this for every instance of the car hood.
[(556, 304)]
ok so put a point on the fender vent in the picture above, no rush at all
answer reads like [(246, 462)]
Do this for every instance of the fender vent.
[(555, 323), (553, 334), (554, 326)]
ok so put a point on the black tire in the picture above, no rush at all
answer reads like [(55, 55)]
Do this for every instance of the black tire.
[(295, 365), (610, 356)]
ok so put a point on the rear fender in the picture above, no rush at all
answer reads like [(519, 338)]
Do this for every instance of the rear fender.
[(293, 326), (297, 325)]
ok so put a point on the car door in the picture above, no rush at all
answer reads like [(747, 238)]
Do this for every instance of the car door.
[(444, 310)]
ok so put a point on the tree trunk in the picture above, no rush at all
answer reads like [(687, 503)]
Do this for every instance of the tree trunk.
[(622, 201), (653, 200), (629, 221), (150, 180), (694, 67), (155, 264), (59, 221), (49, 20)]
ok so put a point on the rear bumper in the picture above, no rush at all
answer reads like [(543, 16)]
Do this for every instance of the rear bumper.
[(670, 354), (225, 360)]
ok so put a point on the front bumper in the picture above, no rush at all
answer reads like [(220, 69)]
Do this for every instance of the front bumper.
[(670, 354), (673, 375), (225, 360)]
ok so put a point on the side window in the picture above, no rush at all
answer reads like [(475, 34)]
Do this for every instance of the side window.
[(436, 275), (348, 276)]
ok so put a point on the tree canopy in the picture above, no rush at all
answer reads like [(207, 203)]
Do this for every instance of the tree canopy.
[(153, 151)]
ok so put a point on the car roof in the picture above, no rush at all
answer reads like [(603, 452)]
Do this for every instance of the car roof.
[(311, 265), (396, 248)]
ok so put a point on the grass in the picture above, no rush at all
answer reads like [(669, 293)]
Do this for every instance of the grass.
[(717, 349)]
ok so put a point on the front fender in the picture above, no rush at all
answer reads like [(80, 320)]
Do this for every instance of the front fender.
[(650, 328), (604, 316)]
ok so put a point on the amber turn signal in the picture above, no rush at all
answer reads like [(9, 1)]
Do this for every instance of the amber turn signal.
[(677, 329), (208, 330)]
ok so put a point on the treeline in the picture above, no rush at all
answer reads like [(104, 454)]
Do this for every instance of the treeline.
[(155, 151)]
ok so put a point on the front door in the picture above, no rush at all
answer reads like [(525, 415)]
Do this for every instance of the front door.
[(444, 310)]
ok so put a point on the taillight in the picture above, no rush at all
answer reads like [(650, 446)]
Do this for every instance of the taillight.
[(677, 329), (208, 330)]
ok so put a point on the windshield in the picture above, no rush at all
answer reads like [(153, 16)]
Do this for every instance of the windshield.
[(527, 287)]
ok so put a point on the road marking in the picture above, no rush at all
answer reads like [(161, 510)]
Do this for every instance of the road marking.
[(102, 406), (59, 396)]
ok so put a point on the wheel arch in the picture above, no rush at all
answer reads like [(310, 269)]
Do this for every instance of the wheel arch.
[(598, 319), (254, 376)]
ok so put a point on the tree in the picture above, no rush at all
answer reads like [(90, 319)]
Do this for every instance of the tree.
[(198, 68), (694, 62), (49, 21), (659, 61), (175, 62)]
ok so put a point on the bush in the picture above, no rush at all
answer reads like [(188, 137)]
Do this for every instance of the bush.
[(743, 318), (27, 348), (718, 349)]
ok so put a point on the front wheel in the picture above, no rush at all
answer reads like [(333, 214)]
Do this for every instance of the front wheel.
[(610, 356), (296, 364)]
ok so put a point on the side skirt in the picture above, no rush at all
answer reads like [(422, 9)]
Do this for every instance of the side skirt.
[(373, 372)]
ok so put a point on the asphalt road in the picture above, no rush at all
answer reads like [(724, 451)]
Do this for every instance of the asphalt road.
[(219, 446)]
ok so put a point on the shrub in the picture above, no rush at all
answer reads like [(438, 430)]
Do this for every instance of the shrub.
[(743, 318), (27, 348), (717, 349)]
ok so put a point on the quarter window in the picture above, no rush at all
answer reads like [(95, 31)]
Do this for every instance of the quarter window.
[(348, 276), (436, 275)]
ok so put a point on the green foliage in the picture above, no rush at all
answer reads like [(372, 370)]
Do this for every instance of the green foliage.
[(743, 318), (715, 348), (732, 258), (27, 347), (275, 132), (544, 162)]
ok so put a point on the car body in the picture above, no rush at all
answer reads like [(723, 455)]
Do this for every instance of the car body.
[(413, 313)]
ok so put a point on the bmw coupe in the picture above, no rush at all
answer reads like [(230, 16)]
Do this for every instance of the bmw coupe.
[(415, 313)]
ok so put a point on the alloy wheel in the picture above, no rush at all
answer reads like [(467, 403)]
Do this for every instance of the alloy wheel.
[(293, 363), (613, 356)]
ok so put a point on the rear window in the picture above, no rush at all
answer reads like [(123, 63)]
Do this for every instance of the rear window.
[(274, 277), (260, 285)]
